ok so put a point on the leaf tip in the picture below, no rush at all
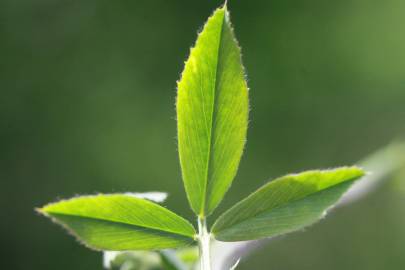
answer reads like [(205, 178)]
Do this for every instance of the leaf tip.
[(45, 212), (359, 171), (39, 210), (42, 210)]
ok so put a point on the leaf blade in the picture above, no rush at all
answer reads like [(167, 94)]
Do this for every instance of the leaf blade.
[(285, 204), (212, 114), (120, 222)]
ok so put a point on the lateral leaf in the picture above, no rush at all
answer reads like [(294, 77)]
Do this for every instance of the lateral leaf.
[(120, 222), (212, 114), (284, 205)]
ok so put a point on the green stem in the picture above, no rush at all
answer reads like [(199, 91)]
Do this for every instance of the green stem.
[(204, 244)]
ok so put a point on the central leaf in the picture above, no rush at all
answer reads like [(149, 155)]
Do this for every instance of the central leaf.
[(212, 114)]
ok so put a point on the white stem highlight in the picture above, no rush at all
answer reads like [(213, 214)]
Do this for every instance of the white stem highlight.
[(204, 244)]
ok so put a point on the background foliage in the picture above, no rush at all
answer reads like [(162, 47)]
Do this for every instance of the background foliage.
[(87, 106)]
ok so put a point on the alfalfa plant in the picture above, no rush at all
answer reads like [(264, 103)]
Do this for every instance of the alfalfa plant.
[(212, 120)]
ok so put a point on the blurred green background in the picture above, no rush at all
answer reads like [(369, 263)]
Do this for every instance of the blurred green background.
[(88, 93)]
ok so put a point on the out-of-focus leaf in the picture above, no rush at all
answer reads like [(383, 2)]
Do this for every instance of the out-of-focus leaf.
[(144, 260), (188, 255), (154, 196), (212, 114), (286, 204), (382, 164), (134, 260), (170, 261), (121, 222)]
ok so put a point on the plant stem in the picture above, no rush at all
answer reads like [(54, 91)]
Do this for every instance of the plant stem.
[(204, 244)]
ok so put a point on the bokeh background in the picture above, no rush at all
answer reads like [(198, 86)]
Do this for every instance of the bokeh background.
[(87, 105)]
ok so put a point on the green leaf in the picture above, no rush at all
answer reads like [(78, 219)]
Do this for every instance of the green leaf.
[(188, 255), (170, 261), (284, 205), (212, 114), (132, 260), (121, 222)]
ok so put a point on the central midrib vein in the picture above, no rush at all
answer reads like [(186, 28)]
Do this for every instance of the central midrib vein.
[(210, 135), (120, 222)]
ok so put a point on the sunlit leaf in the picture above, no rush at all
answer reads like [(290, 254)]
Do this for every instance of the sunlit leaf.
[(212, 114), (118, 258), (121, 222), (382, 164), (286, 204)]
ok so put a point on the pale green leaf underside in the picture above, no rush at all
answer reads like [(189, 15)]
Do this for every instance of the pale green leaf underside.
[(121, 222), (212, 114), (284, 205)]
